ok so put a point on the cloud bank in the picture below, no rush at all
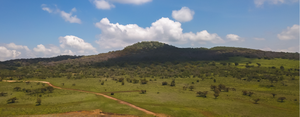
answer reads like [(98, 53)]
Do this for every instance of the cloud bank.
[(260, 3), (164, 30)]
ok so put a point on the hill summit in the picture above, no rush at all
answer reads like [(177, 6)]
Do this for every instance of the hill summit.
[(148, 45)]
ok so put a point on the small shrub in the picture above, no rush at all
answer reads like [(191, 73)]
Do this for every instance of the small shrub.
[(12, 100), (202, 94), (184, 87), (111, 93), (157, 92), (214, 80), (3, 94), (192, 82), (256, 100), (73, 84), (38, 101), (102, 83), (250, 93), (273, 95), (281, 99), (191, 88), (17, 88), (216, 95), (123, 83), (143, 91), (197, 80), (213, 87), (173, 83), (164, 83), (245, 92), (63, 84)]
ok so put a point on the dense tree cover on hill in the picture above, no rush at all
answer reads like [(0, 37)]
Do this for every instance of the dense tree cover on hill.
[(151, 59)]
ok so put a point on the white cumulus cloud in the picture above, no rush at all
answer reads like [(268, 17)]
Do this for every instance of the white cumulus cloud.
[(8, 54), (45, 8), (51, 51), (233, 37), (102, 4), (69, 17), (76, 43), (183, 15), (289, 33), (260, 3), (165, 30), (17, 47), (136, 2), (107, 4)]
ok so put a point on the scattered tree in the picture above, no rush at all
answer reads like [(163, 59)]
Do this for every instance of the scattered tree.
[(281, 99), (191, 88), (38, 101), (256, 100), (12, 100), (216, 95)]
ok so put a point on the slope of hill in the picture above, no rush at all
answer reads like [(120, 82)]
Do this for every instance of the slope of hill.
[(155, 51)]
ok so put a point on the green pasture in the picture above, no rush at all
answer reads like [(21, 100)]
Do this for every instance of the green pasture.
[(59, 101)]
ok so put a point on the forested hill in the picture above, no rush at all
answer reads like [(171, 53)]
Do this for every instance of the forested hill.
[(157, 51)]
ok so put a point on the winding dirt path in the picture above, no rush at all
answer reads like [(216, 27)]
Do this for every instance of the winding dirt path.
[(120, 101)]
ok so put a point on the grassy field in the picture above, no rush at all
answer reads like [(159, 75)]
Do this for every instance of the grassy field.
[(59, 101), (173, 101)]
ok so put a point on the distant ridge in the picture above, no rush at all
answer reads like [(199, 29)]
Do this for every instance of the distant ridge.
[(155, 51)]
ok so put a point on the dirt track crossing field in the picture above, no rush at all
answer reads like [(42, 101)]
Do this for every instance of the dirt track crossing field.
[(120, 101)]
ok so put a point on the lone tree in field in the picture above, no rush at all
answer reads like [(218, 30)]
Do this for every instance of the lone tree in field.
[(38, 101), (191, 88), (273, 95), (17, 88), (202, 94), (250, 93), (3, 94), (256, 100), (143, 91), (173, 83), (281, 99), (12, 100), (216, 95), (213, 87), (245, 92)]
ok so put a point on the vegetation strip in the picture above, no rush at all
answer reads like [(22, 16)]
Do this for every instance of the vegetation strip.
[(120, 101)]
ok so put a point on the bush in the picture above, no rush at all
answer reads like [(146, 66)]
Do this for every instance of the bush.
[(192, 82), (250, 93), (173, 83), (38, 101), (144, 81), (184, 87), (123, 83), (102, 83), (197, 80), (73, 84), (256, 100), (112, 93), (281, 99), (273, 95), (164, 83), (12, 100), (245, 92), (143, 91), (213, 87), (3, 94), (191, 88), (216, 95), (202, 94)]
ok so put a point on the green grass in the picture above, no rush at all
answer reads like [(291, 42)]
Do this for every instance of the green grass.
[(173, 101), (59, 101), (277, 62)]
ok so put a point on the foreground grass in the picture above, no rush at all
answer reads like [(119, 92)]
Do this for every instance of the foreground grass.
[(59, 101), (175, 101)]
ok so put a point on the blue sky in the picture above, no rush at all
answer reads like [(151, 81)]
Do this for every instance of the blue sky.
[(47, 28)]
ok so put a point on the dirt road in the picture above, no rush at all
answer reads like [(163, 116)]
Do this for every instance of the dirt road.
[(120, 101)]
